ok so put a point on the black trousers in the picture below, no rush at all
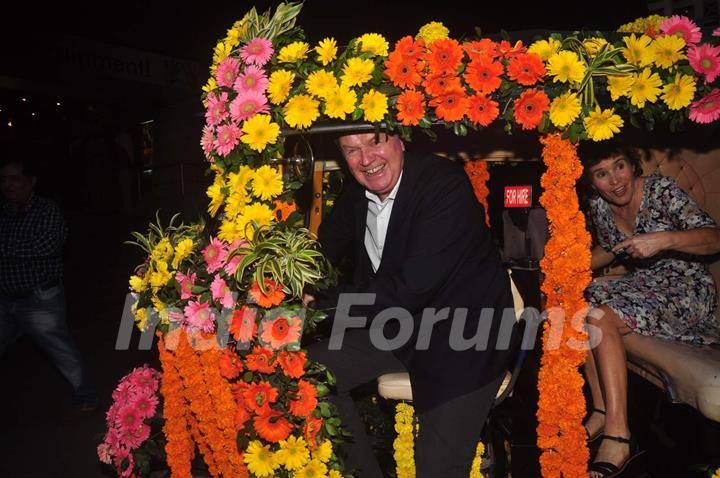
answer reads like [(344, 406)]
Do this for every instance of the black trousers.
[(448, 434)]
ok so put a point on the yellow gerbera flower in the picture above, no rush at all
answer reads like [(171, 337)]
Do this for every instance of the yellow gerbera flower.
[(162, 251), (433, 31), (259, 459), (259, 213), (259, 132), (323, 452), (373, 43), (619, 86), (300, 111), (357, 71), (565, 66), (182, 251), (645, 87), (668, 50), (314, 469), (374, 105), (602, 124), (293, 453), (232, 230), (216, 195), (279, 85), (545, 48), (236, 203), (321, 83), (220, 52), (141, 319), (340, 102), (160, 275), (326, 51), (211, 85), (238, 181), (680, 92), (564, 109), (334, 474), (293, 52), (638, 51), (594, 45), (137, 284), (232, 39), (267, 183)]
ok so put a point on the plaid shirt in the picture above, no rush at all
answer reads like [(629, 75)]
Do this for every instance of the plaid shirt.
[(31, 241)]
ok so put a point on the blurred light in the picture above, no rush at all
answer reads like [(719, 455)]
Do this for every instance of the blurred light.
[(23, 100), (10, 123), (58, 103), (32, 114)]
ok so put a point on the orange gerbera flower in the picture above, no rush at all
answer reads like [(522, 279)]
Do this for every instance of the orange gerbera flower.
[(410, 48), (283, 209), (506, 50), (311, 430), (482, 110), (440, 83), (259, 360), (526, 68), (451, 106), (411, 107), (238, 389), (529, 108), (444, 56), (272, 426), (230, 364), (259, 396), (483, 74), (281, 331), (483, 47), (242, 324), (305, 401), (292, 363), (241, 416), (274, 295), (403, 72)]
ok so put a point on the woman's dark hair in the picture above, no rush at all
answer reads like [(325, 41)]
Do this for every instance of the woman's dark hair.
[(591, 153)]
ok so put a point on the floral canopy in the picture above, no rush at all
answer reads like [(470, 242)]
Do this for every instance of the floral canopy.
[(255, 406)]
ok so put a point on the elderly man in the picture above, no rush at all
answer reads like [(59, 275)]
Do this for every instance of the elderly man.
[(32, 232), (417, 242)]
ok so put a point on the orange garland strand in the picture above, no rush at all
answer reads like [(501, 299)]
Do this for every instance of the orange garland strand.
[(566, 268), (477, 171)]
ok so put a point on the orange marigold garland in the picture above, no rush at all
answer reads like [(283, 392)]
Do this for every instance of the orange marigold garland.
[(478, 173), (566, 267)]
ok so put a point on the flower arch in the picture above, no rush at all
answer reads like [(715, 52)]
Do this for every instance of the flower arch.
[(245, 278)]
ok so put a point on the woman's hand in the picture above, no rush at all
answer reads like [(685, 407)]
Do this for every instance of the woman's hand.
[(644, 245)]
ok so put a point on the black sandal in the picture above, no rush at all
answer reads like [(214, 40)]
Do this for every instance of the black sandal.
[(595, 439), (610, 470)]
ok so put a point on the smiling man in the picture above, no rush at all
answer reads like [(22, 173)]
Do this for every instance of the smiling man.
[(417, 241)]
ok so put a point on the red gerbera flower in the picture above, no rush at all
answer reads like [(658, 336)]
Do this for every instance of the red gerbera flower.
[(410, 48), (529, 108), (230, 364), (526, 68), (439, 84), (242, 324), (403, 72), (451, 106), (272, 426), (259, 396), (259, 360), (484, 47), (444, 56), (274, 295), (241, 416), (508, 51), (305, 401), (482, 110), (311, 430), (411, 107), (292, 363), (483, 74)]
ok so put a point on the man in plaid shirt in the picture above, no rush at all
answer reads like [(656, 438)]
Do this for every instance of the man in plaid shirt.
[(32, 299)]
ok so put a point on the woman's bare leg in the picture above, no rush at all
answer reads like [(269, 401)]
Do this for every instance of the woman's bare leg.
[(595, 421)]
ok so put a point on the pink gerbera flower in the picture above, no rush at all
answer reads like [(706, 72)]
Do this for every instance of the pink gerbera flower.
[(186, 284), (252, 79), (134, 437), (228, 136), (146, 404), (227, 72), (215, 255), (682, 27), (247, 105), (217, 108), (199, 316), (124, 455), (124, 392), (257, 51), (103, 451), (207, 142), (282, 331), (233, 263), (127, 418), (706, 109), (221, 292), (716, 32), (144, 379), (705, 59)]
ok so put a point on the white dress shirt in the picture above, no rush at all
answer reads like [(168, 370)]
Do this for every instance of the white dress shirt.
[(378, 218)]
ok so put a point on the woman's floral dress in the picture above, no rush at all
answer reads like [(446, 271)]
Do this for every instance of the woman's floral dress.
[(671, 295)]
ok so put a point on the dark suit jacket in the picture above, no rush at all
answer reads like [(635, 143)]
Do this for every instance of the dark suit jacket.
[(438, 253)]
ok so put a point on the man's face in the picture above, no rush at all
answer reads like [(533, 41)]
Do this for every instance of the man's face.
[(14, 185), (375, 164)]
